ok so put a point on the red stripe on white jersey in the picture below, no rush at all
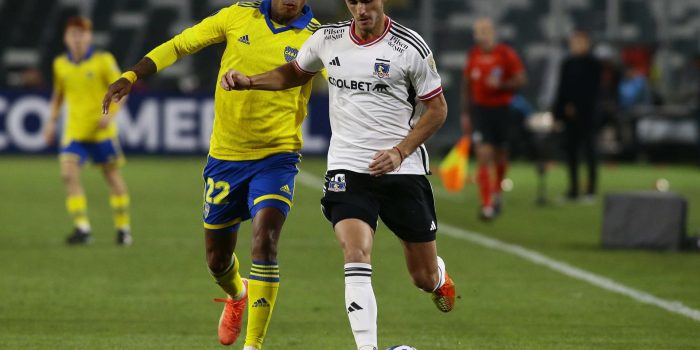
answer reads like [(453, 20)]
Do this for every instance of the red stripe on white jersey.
[(357, 40), (296, 65), (431, 94)]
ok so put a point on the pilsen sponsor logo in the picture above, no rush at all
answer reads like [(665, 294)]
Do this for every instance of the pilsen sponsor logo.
[(333, 33)]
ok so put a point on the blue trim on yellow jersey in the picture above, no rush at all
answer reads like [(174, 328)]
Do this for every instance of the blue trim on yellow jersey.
[(299, 23), (87, 56)]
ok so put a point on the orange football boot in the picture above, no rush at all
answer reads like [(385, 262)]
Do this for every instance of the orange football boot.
[(444, 297), (232, 317)]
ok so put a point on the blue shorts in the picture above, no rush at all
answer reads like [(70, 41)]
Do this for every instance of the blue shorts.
[(235, 191), (104, 152)]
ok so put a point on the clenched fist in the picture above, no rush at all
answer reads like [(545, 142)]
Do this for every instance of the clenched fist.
[(235, 80)]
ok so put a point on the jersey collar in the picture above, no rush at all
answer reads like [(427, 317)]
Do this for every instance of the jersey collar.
[(358, 41), (299, 23), (87, 56)]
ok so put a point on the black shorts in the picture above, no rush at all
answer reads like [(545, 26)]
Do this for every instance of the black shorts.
[(491, 125), (403, 202)]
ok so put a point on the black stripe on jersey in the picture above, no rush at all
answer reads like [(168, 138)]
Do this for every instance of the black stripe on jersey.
[(336, 25), (254, 4), (424, 158), (424, 52), (381, 60), (410, 42), (417, 38), (412, 100)]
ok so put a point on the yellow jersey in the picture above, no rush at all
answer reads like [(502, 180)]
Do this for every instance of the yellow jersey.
[(249, 125), (84, 85)]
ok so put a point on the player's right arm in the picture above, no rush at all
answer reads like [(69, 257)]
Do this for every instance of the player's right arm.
[(55, 105), (210, 31), (292, 74), (281, 78), (465, 117)]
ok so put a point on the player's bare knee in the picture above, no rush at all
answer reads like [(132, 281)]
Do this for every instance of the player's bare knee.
[(218, 260), (115, 181), (484, 158), (71, 182), (356, 255), (67, 178), (264, 245)]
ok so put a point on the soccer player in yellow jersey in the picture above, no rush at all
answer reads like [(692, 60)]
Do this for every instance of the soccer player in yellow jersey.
[(253, 150), (81, 78)]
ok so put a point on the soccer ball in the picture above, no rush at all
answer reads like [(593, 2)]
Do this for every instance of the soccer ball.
[(401, 347)]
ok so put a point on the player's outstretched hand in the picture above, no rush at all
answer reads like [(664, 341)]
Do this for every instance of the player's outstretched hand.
[(384, 162), (104, 121), (50, 133), (115, 93), (235, 80)]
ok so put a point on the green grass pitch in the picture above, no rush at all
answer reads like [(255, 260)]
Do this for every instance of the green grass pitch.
[(157, 294)]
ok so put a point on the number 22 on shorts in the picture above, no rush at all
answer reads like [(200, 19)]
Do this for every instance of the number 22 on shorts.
[(224, 188)]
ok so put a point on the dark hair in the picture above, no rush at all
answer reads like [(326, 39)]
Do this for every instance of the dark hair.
[(79, 22)]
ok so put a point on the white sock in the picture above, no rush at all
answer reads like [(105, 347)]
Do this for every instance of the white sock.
[(240, 296), (361, 305), (441, 273), (250, 348)]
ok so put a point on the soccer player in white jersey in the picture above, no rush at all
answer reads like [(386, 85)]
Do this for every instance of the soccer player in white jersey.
[(385, 101)]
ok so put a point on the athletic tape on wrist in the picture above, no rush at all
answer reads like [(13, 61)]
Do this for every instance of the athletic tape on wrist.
[(130, 76)]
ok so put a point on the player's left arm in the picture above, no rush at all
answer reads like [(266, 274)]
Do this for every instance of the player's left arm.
[(423, 76), (57, 97), (430, 122), (518, 78)]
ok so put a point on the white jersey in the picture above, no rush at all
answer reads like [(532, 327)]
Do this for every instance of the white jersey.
[(374, 90)]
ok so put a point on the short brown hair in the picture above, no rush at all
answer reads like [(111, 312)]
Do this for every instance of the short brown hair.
[(79, 22)]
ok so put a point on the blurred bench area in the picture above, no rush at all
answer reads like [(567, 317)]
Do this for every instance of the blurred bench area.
[(650, 49)]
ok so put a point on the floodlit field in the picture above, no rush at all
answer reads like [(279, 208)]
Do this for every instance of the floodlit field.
[(157, 294)]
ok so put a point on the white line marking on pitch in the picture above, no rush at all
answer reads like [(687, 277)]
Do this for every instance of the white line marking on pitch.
[(543, 260)]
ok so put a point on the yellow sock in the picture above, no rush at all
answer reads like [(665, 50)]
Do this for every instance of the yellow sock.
[(77, 209), (230, 280), (120, 207), (262, 292)]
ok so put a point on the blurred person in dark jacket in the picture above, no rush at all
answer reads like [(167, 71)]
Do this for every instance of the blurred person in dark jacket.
[(579, 84)]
